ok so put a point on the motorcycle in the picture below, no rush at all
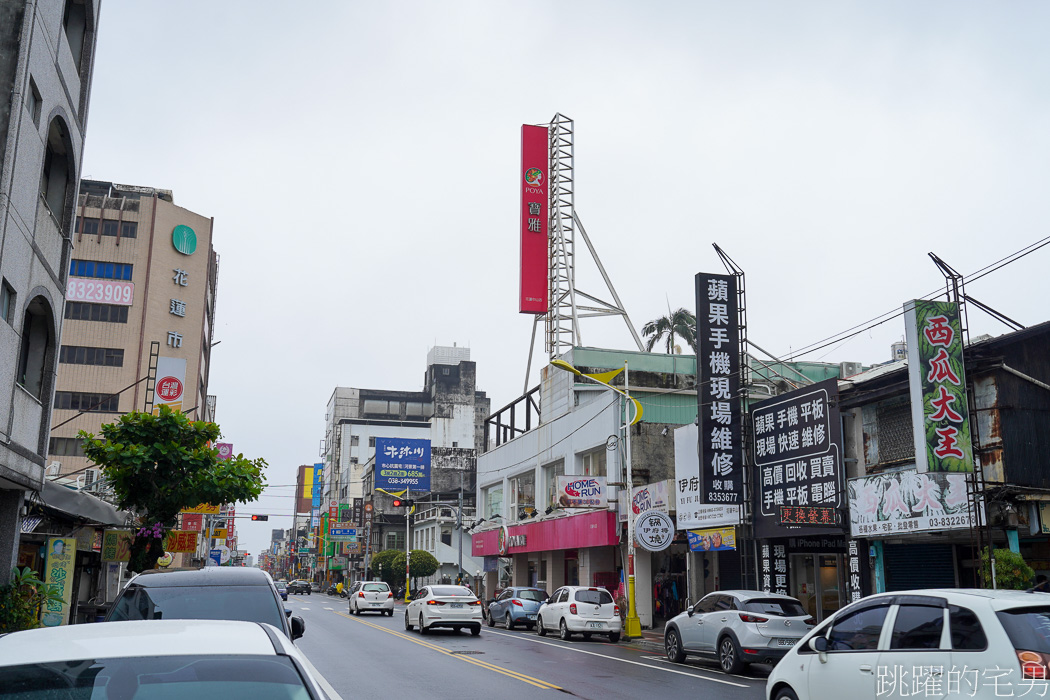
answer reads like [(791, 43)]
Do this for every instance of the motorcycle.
[(331, 590)]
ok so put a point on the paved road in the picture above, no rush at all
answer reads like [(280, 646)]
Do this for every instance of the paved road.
[(373, 656)]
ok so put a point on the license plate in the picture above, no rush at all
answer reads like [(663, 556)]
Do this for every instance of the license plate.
[(375, 603), (455, 605), (783, 642), (596, 625)]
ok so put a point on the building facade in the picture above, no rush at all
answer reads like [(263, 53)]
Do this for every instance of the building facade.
[(47, 54), (139, 315)]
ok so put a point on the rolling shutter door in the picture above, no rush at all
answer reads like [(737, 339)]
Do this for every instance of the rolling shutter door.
[(911, 566)]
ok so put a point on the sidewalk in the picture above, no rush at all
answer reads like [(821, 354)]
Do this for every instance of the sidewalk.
[(651, 641)]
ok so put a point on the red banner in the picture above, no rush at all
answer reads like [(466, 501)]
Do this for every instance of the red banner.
[(534, 216)]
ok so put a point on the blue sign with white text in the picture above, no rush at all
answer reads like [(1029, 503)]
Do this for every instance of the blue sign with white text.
[(315, 489), (343, 532), (402, 463)]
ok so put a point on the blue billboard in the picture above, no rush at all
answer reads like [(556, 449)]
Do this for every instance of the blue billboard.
[(402, 463), (316, 485)]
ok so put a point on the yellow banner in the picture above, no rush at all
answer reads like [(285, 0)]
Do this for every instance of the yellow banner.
[(181, 541), (219, 533), (203, 508), (60, 558), (116, 545)]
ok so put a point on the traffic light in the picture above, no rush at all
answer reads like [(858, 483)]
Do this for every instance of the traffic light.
[(260, 517), (403, 503)]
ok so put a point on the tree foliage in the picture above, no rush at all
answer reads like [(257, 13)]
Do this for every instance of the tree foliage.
[(160, 464), (680, 322), (21, 600), (1011, 571), (384, 563)]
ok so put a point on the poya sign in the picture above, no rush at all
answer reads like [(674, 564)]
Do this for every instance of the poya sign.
[(581, 491), (507, 540)]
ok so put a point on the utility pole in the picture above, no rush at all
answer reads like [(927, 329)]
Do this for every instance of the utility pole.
[(459, 529), (408, 542)]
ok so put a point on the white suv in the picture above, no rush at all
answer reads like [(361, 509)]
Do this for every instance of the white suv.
[(937, 643), (582, 610)]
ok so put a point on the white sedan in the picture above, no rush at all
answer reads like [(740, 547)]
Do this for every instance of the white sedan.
[(455, 607), (151, 659), (372, 595)]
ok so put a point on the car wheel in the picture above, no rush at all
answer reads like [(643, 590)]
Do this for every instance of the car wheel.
[(614, 637), (508, 622), (673, 647), (422, 627), (491, 620), (728, 658), (475, 630), (563, 631), (408, 625), (540, 629), (785, 694)]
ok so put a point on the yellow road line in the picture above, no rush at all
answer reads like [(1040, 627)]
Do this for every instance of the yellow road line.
[(483, 664)]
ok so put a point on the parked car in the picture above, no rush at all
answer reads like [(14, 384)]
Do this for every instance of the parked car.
[(371, 595), (516, 605), (455, 607), (968, 643), (211, 593), (737, 628), (282, 589), (582, 610), (300, 586), (182, 658)]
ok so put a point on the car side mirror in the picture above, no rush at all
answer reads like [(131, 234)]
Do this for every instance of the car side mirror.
[(298, 627), (819, 644), (689, 611)]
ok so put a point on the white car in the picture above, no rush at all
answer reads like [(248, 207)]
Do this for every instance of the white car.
[(454, 607), (372, 595), (157, 659), (580, 609), (936, 643)]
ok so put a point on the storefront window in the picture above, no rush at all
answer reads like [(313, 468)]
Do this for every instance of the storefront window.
[(551, 472), (493, 500), (523, 495)]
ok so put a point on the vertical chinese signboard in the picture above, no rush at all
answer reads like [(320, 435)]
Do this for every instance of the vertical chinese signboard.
[(937, 378), (798, 438), (60, 556), (170, 387), (534, 189), (718, 393)]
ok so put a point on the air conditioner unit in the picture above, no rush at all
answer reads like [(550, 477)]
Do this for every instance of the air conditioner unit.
[(53, 469), (848, 369), (90, 476)]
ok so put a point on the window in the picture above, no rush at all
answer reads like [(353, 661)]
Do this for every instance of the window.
[(492, 500), (87, 226), (859, 631), (34, 101), (395, 540), (966, 629), (86, 311), (599, 597), (80, 401), (66, 447), (100, 270), (1028, 628), (594, 463), (55, 179), (74, 22), (36, 344), (551, 472), (371, 441), (128, 229), (354, 440), (523, 495), (706, 605), (7, 303), (888, 432), (917, 627), (80, 355)]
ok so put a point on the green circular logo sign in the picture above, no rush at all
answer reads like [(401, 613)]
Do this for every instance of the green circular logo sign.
[(184, 239)]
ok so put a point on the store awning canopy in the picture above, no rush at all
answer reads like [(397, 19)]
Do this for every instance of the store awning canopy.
[(80, 505)]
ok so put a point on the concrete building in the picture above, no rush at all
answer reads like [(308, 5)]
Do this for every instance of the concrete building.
[(47, 54), (141, 293)]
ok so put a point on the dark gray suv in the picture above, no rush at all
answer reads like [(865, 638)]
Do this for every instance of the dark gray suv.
[(211, 593)]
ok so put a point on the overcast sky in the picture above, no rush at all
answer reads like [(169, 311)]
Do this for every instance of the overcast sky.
[(361, 161)]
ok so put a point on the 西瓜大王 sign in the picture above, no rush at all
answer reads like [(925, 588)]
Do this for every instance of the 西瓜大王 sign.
[(402, 463)]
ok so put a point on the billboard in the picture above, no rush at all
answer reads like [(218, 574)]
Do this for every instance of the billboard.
[(798, 460), (718, 390), (691, 512), (718, 539), (60, 557), (402, 463), (908, 501), (533, 293), (581, 492), (171, 383), (100, 291), (649, 497), (937, 379)]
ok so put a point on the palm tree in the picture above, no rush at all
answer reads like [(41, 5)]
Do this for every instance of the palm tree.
[(680, 323)]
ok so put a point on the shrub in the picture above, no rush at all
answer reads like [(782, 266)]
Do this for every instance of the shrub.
[(1011, 571), (20, 601)]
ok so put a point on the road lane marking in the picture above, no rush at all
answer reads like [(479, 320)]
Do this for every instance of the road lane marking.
[(625, 661), (448, 652)]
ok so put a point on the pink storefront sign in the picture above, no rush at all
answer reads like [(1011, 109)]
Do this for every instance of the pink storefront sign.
[(596, 529)]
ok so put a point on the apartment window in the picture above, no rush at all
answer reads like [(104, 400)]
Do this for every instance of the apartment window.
[(55, 179), (7, 302), (80, 401), (87, 226), (888, 432), (33, 102), (36, 344), (100, 270), (81, 355), (371, 441), (74, 22), (395, 540), (128, 229), (446, 536), (551, 472), (66, 447), (492, 498), (593, 463), (523, 495), (354, 440), (87, 311)]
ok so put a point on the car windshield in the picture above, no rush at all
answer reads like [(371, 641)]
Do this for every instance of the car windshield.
[(1028, 628), (377, 587), (450, 590), (281, 584), (533, 595), (595, 596), (248, 603), (157, 678), (776, 606)]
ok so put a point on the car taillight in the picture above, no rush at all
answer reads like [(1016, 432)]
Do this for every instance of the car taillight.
[(616, 611), (360, 594), (572, 608), (1033, 664), (435, 602), (517, 602), (809, 621), (389, 594), (475, 602), (753, 618)]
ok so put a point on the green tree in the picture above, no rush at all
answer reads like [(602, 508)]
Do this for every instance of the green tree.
[(1011, 571), (160, 464), (390, 572), (680, 323)]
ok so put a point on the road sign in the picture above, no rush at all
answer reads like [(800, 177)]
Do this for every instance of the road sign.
[(343, 532)]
